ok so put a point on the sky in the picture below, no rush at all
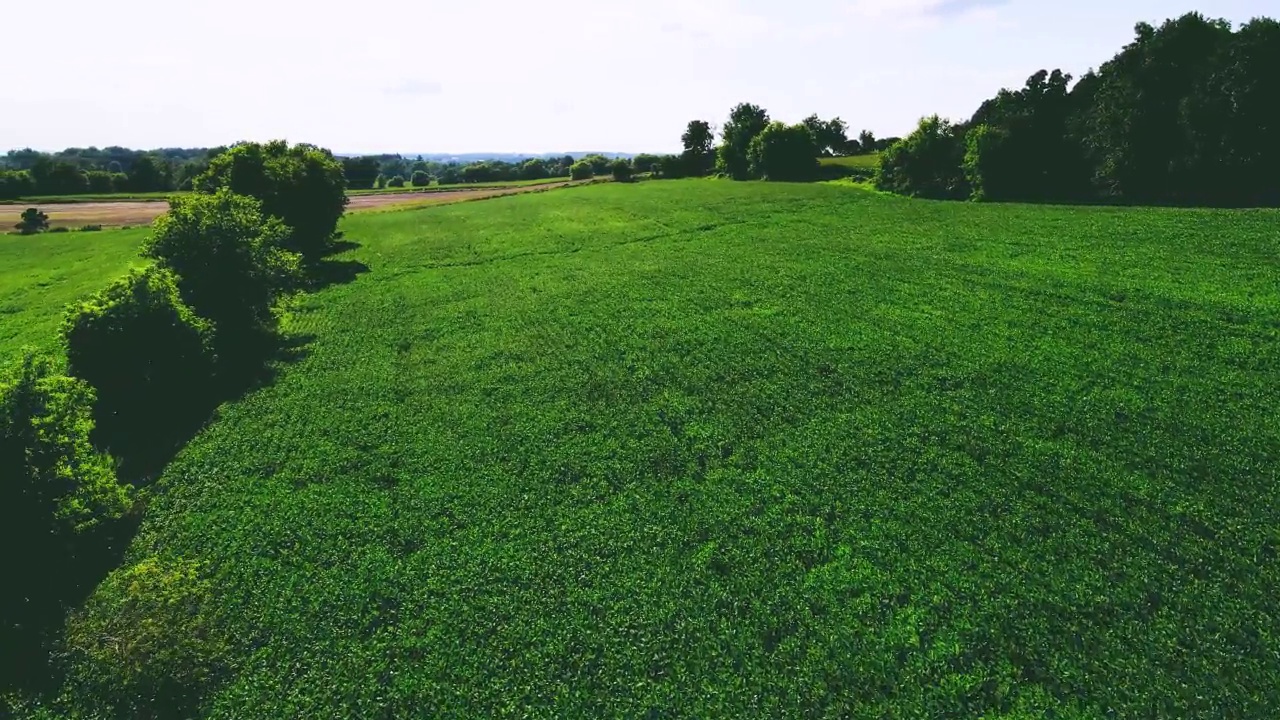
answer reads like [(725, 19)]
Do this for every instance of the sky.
[(454, 76)]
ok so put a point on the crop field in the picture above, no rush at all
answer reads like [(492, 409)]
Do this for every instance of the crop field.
[(41, 275), (870, 161), (459, 186), (712, 449)]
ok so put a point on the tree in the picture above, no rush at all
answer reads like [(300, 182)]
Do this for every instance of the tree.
[(746, 121), (830, 136), (534, 169), (784, 152), (32, 222), (148, 174), (644, 162), (699, 142), (420, 178), (621, 170), (232, 265), (581, 171), (867, 141), (360, 172), (302, 185), (928, 163), (396, 182), (99, 181)]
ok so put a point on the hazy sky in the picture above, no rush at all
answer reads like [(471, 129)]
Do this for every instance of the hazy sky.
[(526, 75)]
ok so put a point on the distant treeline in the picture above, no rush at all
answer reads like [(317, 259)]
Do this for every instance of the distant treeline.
[(1186, 114), (77, 171), (376, 171)]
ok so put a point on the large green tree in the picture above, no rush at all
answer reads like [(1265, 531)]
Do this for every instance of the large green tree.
[(784, 152), (699, 142), (746, 121)]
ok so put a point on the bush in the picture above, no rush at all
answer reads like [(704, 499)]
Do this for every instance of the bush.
[(928, 163), (621, 170), (301, 185), (420, 179), (32, 222), (148, 643), (396, 182), (90, 228), (581, 171), (146, 354), (55, 492), (783, 152), (99, 181), (231, 266)]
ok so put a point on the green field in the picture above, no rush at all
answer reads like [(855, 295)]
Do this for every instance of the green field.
[(870, 161), (712, 449), (40, 275), (93, 198)]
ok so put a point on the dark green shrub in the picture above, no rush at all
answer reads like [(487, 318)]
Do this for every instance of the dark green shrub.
[(148, 643), (581, 171), (783, 152), (396, 182), (928, 163), (55, 491), (301, 185), (60, 229), (90, 228), (231, 266), (421, 179), (621, 170), (146, 354), (32, 222)]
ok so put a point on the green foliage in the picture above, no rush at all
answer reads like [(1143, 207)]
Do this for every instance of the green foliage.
[(396, 182), (301, 185), (746, 121), (421, 179), (784, 152), (534, 169), (231, 263), (146, 354), (55, 491), (32, 221), (148, 174), (927, 163), (799, 451), (621, 170), (361, 173), (148, 643), (830, 136), (15, 184), (581, 171), (699, 156), (100, 181)]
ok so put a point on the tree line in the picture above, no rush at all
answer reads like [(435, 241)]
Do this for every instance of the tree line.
[(378, 171), (77, 171), (141, 365), (1185, 114)]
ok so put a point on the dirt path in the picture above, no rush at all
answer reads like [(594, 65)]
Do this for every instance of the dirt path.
[(133, 213)]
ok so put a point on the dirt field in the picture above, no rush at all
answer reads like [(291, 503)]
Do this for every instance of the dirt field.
[(132, 213)]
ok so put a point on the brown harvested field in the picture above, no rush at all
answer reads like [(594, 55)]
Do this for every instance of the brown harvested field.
[(133, 212)]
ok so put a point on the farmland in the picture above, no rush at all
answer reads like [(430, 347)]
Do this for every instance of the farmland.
[(712, 449)]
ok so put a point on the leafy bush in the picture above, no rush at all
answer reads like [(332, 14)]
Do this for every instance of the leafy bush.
[(146, 354), (90, 228), (396, 182), (927, 163), (784, 152), (32, 222), (231, 265), (15, 183), (621, 170), (60, 229), (421, 178), (99, 181), (581, 171), (380, 182), (302, 185), (148, 643), (56, 489)]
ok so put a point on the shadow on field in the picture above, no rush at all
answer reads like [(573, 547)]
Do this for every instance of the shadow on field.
[(143, 445)]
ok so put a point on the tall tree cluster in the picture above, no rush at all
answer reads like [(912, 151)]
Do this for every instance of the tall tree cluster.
[(1186, 113)]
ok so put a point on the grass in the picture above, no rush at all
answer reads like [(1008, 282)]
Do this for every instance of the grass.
[(458, 186), (870, 161), (712, 449), (41, 274)]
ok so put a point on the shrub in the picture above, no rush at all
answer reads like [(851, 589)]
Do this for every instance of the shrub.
[(396, 182), (90, 228), (148, 643), (581, 171), (60, 229), (928, 163), (231, 265), (147, 355), (380, 182), (621, 170), (301, 185), (99, 181), (783, 152), (55, 491), (421, 179), (32, 222)]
